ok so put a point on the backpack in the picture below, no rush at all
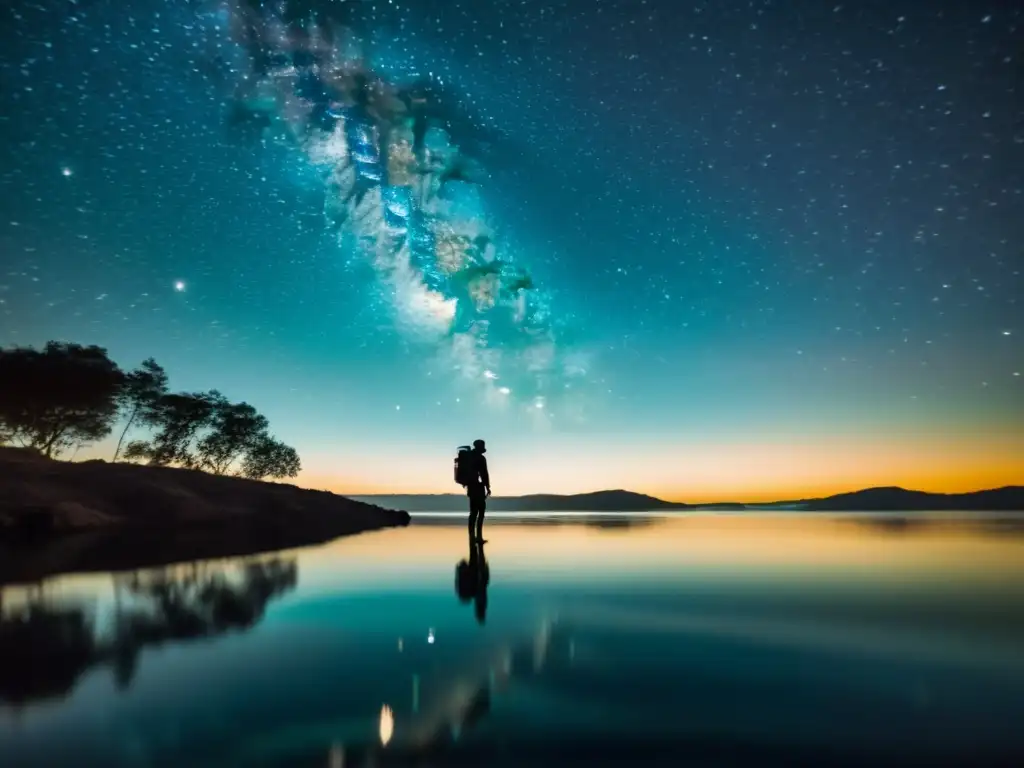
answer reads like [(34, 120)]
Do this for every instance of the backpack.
[(464, 466)]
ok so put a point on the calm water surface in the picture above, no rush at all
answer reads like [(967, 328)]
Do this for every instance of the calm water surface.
[(614, 640)]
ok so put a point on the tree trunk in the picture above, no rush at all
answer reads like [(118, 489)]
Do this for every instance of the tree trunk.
[(47, 446), (125, 432)]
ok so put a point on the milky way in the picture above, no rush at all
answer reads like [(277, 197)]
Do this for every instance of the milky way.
[(403, 188)]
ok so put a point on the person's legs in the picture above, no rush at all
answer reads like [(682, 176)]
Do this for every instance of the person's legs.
[(472, 515), (481, 508)]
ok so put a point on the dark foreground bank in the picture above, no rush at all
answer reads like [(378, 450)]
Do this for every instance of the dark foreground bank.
[(59, 516)]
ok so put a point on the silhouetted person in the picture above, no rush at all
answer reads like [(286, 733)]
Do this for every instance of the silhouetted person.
[(472, 578), (478, 489)]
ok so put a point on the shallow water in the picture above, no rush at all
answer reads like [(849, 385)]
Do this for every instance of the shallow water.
[(611, 640)]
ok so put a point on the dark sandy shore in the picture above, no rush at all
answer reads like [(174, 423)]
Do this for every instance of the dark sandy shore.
[(59, 517)]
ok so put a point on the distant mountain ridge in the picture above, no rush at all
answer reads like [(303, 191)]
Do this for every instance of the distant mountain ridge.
[(598, 501), (894, 498), (884, 499)]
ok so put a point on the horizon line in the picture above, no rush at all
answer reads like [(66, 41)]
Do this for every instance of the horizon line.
[(456, 494)]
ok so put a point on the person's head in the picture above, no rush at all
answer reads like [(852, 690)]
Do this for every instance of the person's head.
[(479, 446)]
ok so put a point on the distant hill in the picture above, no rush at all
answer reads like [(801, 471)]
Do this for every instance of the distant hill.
[(599, 501), (894, 499), (890, 499)]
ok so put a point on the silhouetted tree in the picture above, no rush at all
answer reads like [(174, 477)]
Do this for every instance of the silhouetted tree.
[(268, 457), (236, 428), (140, 394), (68, 395), (178, 419), (205, 431), (65, 395)]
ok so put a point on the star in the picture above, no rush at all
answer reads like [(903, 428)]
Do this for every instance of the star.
[(179, 286), (65, 171)]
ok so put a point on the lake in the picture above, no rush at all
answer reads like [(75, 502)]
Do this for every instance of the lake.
[(570, 640)]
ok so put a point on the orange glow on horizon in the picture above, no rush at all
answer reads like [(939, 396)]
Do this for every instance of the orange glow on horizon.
[(695, 470), (750, 472)]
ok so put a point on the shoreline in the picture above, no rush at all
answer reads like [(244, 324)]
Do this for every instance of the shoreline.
[(62, 517), (130, 548)]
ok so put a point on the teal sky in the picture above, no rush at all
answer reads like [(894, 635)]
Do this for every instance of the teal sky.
[(761, 231)]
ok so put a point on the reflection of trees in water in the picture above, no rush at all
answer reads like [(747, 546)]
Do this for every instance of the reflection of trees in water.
[(44, 650), (46, 647)]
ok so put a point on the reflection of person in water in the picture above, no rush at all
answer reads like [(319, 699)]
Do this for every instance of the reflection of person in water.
[(472, 578)]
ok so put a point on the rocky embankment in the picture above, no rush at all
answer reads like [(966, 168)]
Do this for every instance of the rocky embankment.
[(58, 516)]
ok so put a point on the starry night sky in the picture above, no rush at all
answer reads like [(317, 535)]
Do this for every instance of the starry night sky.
[(781, 243)]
